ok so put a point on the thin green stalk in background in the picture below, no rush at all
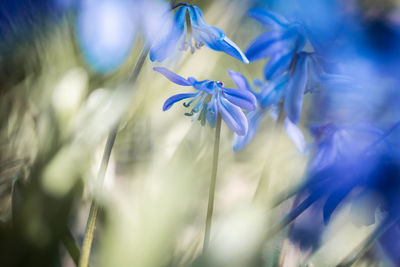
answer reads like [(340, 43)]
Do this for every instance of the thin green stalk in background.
[(71, 245), (357, 253), (94, 207), (211, 194)]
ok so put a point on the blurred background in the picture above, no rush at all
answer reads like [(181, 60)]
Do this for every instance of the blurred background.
[(59, 100)]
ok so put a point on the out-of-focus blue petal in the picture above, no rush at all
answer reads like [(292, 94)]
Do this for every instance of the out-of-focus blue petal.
[(390, 242), (175, 98), (268, 18), (213, 37), (175, 78), (106, 32), (274, 91), (241, 98), (295, 90), (233, 116), (333, 201), (165, 47), (155, 19), (277, 64), (260, 47), (254, 119), (229, 47), (295, 135)]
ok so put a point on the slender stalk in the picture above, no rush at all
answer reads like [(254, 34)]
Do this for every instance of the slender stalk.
[(211, 194), (355, 255), (94, 207), (71, 245)]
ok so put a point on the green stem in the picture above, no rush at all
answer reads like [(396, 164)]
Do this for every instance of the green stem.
[(71, 245), (367, 243), (94, 207), (211, 194)]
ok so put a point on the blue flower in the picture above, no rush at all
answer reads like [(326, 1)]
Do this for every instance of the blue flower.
[(268, 98), (189, 29), (212, 98), (281, 44), (106, 29), (106, 33)]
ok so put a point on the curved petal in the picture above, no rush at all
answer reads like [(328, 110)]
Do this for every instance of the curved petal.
[(270, 43), (295, 90), (239, 80), (277, 64), (213, 37), (241, 98), (254, 119), (274, 91), (295, 135), (166, 46), (175, 78), (233, 116), (176, 98), (268, 18)]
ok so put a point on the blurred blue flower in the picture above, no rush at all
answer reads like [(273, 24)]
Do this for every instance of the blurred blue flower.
[(106, 29), (212, 98), (289, 88), (189, 29), (106, 32), (281, 44)]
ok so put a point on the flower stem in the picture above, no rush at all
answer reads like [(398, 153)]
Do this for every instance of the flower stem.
[(355, 255), (71, 245), (211, 194), (94, 207)]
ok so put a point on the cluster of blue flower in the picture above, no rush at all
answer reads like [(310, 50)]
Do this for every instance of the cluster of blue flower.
[(349, 65)]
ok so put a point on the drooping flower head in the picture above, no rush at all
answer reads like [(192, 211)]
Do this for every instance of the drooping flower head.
[(280, 44), (210, 99), (189, 30)]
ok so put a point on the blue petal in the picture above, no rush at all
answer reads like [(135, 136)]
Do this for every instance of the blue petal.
[(206, 86), (268, 18), (175, 78), (295, 135), (277, 64), (241, 98), (175, 98), (106, 33), (229, 47), (254, 119), (165, 47), (233, 116), (333, 201), (270, 43), (273, 93), (213, 37), (239, 80), (295, 90)]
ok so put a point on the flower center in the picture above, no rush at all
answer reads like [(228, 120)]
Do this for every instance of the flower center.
[(189, 39)]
